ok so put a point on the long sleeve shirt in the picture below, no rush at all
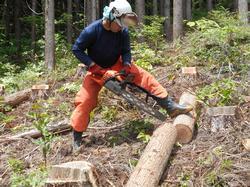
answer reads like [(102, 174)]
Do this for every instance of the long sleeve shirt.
[(103, 47)]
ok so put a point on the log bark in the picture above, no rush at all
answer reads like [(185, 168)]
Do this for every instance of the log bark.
[(185, 123), (153, 161), (17, 98)]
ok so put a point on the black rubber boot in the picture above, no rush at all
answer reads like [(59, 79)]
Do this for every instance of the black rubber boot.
[(173, 108), (77, 140)]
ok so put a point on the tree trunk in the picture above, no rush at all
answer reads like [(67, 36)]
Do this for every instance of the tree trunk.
[(97, 9), (33, 27), (93, 10), (209, 5), (177, 19), (6, 18), (243, 11), (162, 7), (140, 9), (17, 26), (155, 7), (167, 15), (235, 5), (49, 35), (188, 9), (69, 21), (151, 165), (201, 4)]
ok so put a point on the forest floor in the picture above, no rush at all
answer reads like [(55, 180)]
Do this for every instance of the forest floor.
[(215, 156)]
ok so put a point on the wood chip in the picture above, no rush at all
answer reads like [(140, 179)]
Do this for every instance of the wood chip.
[(189, 70), (246, 144), (222, 111), (40, 87)]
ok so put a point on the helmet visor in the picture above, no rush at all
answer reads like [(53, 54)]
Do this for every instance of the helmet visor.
[(127, 20)]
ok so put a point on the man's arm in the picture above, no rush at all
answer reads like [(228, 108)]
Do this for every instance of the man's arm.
[(86, 38), (126, 49)]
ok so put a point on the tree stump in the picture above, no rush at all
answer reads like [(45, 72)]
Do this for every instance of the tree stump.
[(76, 174), (153, 161), (40, 91)]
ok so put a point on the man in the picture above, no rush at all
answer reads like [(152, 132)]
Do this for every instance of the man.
[(108, 48)]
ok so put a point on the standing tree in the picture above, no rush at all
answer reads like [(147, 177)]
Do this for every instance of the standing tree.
[(49, 34), (167, 15), (69, 21), (243, 11), (177, 19), (140, 9), (155, 7), (188, 9), (33, 27), (6, 17), (17, 27), (93, 10), (209, 5)]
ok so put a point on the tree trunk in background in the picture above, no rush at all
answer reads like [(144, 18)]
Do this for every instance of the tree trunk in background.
[(167, 15), (243, 11), (69, 21), (93, 10), (97, 9), (155, 7), (49, 34), (188, 9), (209, 5), (177, 19), (235, 5), (161, 7), (86, 19), (201, 4), (17, 26), (184, 11), (140, 9), (6, 18), (33, 27)]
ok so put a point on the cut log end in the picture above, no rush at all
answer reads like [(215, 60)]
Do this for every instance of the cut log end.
[(184, 134)]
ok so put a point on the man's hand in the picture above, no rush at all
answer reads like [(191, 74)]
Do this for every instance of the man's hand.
[(95, 69), (126, 69)]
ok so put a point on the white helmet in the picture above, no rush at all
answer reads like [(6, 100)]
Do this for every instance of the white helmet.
[(123, 13)]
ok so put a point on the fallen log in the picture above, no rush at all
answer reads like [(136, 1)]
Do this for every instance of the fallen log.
[(152, 163), (16, 98), (55, 128), (52, 127), (185, 123)]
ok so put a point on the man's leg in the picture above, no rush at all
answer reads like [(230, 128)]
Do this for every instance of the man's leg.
[(85, 102), (147, 81)]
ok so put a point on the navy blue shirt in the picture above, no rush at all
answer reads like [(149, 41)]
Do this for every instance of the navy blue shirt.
[(103, 47)]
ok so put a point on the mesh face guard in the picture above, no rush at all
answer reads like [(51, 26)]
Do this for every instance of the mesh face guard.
[(126, 20)]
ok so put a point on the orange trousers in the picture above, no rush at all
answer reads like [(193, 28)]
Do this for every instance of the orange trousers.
[(86, 98)]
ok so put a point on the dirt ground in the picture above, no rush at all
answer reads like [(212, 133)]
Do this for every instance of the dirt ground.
[(213, 158)]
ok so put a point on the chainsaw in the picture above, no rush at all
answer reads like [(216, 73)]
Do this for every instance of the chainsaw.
[(125, 88)]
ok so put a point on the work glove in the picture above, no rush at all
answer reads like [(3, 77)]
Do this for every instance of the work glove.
[(95, 69), (126, 68)]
